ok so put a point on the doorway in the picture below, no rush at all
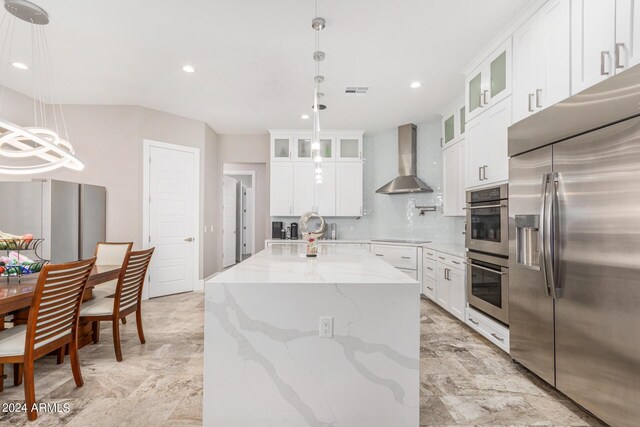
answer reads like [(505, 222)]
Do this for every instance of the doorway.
[(171, 192), (238, 216)]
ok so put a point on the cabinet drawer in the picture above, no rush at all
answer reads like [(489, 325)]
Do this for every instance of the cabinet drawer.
[(429, 288), (430, 267), (430, 254), (452, 261), (490, 329), (398, 256)]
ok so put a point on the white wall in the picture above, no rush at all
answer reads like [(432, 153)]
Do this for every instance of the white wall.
[(108, 139), (212, 190)]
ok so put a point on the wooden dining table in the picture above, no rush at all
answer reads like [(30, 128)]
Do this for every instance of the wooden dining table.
[(16, 295)]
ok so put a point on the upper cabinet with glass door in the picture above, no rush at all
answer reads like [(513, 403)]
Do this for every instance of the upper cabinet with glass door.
[(349, 146), (327, 146), (281, 147), (489, 82), (453, 124), (302, 147)]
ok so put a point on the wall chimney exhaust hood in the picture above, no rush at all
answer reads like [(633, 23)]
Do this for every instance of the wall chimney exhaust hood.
[(407, 181)]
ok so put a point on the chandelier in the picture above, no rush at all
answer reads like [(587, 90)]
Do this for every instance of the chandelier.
[(44, 146), (318, 25)]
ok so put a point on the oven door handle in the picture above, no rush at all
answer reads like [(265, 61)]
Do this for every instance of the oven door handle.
[(502, 273), (488, 206)]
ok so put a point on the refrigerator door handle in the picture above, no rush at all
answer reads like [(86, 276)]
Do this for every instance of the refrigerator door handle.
[(550, 233), (542, 244), (554, 234)]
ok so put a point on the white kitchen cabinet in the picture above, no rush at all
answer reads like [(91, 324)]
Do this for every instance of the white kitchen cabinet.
[(593, 31), (349, 147), (627, 46), (293, 185), (453, 179), (304, 188), (429, 288), (281, 147), (281, 184), (349, 188), (453, 124), (542, 60), (451, 291), (494, 331), (486, 146), (490, 82), (326, 192)]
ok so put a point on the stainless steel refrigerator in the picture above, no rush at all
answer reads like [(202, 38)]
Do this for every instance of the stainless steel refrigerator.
[(71, 217), (574, 258)]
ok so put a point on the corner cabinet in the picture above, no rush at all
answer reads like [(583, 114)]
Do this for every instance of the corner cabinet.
[(294, 190), (490, 82)]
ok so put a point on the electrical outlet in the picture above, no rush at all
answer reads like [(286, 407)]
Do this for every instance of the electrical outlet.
[(326, 327)]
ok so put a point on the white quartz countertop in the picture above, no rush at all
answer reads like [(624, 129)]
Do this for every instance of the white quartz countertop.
[(447, 248), (334, 265)]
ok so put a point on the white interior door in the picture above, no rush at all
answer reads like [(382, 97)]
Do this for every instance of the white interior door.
[(248, 223), (229, 222), (172, 202)]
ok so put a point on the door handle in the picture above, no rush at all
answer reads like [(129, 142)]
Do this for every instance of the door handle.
[(538, 97), (191, 239), (554, 232), (502, 205), (530, 103), (603, 54), (484, 96), (543, 232), (617, 55)]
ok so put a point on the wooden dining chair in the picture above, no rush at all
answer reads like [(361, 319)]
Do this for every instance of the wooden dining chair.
[(52, 324), (110, 253), (127, 299)]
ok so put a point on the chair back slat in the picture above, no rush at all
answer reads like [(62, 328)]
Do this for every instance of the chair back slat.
[(56, 302), (112, 253), (131, 281)]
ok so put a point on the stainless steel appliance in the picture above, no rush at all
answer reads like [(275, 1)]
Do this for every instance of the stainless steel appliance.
[(71, 217), (276, 229), (488, 220), (294, 231), (488, 285), (407, 180), (574, 262)]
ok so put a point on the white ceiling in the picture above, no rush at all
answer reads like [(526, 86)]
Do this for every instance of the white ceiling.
[(254, 57)]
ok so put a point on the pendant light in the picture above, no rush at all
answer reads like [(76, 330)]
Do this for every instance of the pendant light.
[(318, 24), (44, 146)]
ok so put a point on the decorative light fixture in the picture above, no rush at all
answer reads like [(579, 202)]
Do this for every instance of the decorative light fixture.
[(188, 69), (318, 24), (38, 148)]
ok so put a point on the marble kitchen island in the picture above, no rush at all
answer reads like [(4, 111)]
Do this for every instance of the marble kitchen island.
[(266, 365)]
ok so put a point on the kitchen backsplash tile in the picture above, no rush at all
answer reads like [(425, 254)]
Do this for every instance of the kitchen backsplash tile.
[(395, 216)]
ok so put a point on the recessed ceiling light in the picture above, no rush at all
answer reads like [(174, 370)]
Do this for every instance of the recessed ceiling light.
[(20, 65), (304, 117), (415, 85), (188, 69)]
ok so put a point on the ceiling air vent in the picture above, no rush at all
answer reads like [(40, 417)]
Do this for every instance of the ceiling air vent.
[(356, 91)]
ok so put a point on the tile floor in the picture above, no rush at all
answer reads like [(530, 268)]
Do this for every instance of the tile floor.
[(465, 381)]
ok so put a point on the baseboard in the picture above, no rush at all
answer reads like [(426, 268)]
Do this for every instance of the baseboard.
[(199, 286)]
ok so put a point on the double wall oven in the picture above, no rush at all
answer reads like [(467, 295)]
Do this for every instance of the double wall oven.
[(487, 240)]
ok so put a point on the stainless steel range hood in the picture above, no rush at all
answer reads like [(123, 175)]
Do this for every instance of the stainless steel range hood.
[(407, 181)]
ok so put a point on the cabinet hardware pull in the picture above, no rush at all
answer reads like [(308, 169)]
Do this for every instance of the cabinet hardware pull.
[(441, 257), (430, 268), (530, 103), (379, 255), (405, 257), (602, 67), (479, 173), (484, 96), (497, 337), (473, 321), (430, 288), (456, 262), (484, 172), (617, 55), (538, 97), (480, 102)]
